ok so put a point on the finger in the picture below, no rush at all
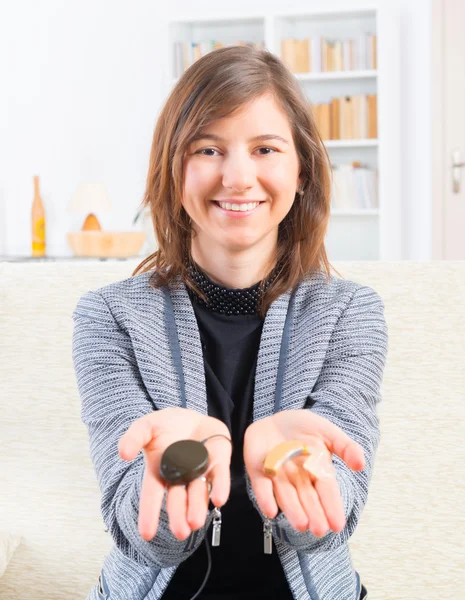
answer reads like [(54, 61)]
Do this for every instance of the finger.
[(218, 473), (137, 436), (310, 501), (220, 477), (264, 494), (254, 450), (176, 507), (289, 502), (330, 498), (151, 499), (197, 503), (337, 441)]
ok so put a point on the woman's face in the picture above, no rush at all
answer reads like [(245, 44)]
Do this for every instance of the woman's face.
[(240, 179)]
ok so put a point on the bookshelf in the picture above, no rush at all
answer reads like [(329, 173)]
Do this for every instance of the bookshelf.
[(366, 217), (334, 75), (351, 143)]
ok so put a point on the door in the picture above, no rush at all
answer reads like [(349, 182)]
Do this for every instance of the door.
[(448, 129)]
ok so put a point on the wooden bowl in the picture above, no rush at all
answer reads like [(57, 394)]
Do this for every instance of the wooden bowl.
[(105, 244)]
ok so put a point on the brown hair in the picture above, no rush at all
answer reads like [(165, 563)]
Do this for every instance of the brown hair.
[(213, 87)]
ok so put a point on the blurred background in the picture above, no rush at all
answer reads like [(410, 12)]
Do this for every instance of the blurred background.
[(82, 84)]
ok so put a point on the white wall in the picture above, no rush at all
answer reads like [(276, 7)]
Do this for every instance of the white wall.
[(81, 87)]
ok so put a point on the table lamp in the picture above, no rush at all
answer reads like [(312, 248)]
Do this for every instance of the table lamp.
[(91, 241)]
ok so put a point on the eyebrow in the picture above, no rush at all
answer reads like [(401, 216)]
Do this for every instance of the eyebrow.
[(257, 138)]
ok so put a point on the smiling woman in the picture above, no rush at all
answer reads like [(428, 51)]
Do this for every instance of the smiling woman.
[(237, 131), (235, 328), (237, 192)]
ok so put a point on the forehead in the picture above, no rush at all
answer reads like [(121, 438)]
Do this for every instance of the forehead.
[(261, 119)]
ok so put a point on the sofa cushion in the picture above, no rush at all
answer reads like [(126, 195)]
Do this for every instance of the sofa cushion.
[(8, 544)]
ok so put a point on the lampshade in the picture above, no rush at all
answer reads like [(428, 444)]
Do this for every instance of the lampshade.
[(90, 198)]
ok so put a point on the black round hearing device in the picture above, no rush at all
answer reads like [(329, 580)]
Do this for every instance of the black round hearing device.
[(184, 461)]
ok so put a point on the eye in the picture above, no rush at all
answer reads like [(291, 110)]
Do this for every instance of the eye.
[(266, 148), (206, 150), (203, 151)]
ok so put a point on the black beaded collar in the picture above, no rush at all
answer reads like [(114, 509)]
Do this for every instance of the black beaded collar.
[(224, 300)]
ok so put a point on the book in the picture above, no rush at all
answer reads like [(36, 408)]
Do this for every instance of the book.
[(301, 56), (335, 119), (372, 104)]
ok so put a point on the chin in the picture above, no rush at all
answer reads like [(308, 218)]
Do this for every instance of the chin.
[(238, 245)]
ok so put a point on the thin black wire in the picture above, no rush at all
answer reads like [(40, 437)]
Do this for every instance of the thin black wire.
[(209, 568), (217, 435), (209, 554)]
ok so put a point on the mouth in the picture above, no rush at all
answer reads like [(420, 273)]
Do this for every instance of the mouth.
[(239, 208)]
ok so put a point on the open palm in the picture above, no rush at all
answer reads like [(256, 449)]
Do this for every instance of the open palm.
[(187, 506), (308, 501)]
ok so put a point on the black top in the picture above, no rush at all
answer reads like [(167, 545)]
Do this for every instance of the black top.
[(230, 331)]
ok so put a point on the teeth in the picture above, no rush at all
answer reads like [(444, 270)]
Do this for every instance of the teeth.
[(239, 207)]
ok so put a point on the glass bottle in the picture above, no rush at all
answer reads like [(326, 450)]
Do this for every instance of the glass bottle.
[(38, 222)]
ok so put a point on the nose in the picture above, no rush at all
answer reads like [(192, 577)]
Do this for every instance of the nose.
[(238, 172)]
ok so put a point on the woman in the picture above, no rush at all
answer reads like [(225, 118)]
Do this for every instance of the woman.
[(235, 329)]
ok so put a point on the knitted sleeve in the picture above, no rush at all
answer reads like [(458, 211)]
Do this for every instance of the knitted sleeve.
[(113, 395), (347, 393)]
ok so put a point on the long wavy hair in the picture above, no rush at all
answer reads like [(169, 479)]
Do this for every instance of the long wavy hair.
[(213, 87)]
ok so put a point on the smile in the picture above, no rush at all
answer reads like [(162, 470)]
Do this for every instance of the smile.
[(243, 207)]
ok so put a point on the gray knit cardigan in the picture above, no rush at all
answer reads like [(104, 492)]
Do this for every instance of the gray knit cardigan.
[(137, 349)]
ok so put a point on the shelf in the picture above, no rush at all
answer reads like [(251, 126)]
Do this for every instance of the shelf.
[(331, 76), (217, 20), (37, 259), (334, 75), (363, 212), (297, 15), (350, 143)]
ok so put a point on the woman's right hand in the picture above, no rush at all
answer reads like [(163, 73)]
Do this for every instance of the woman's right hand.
[(187, 506)]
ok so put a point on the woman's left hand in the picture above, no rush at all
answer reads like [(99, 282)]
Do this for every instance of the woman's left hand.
[(309, 502)]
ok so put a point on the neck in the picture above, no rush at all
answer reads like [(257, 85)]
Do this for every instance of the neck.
[(236, 270)]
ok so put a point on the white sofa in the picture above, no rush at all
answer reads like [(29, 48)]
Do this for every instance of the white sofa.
[(410, 541)]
